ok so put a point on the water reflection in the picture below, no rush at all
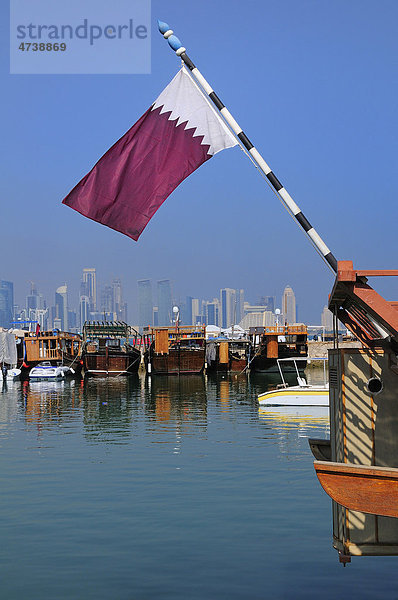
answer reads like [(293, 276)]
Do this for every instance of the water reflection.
[(177, 402), (46, 401), (110, 406), (303, 416), (114, 406)]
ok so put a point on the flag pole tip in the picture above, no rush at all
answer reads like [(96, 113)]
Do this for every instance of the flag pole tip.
[(174, 42), (163, 27)]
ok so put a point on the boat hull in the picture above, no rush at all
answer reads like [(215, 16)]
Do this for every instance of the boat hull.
[(182, 361), (99, 364), (295, 397), (45, 377), (234, 366), (48, 373), (367, 489)]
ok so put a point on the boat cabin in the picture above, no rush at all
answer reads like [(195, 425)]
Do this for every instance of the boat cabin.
[(54, 346)]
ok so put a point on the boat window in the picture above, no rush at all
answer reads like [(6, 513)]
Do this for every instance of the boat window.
[(113, 343)]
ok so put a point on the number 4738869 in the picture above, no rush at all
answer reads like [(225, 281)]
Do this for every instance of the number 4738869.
[(42, 47)]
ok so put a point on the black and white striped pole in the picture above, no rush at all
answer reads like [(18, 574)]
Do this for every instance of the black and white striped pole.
[(247, 145)]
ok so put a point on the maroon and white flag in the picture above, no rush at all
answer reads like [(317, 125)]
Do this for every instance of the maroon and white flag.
[(131, 181)]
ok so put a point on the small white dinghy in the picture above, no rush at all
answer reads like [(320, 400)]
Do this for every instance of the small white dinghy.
[(12, 375), (45, 370), (302, 394)]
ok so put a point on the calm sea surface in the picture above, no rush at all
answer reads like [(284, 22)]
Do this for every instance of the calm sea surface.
[(171, 488)]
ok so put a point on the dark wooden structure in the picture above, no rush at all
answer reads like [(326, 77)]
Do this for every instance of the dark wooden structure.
[(111, 348), (174, 350), (278, 341), (223, 355), (321, 449)]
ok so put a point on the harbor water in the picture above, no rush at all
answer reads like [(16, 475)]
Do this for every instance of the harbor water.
[(167, 488)]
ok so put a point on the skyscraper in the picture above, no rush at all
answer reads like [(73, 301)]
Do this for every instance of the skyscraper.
[(327, 319), (268, 302), (84, 310), (40, 315), (164, 302), (155, 316), (89, 287), (34, 300), (240, 302), (289, 305), (107, 302), (119, 306), (187, 315), (196, 313), (61, 306), (145, 303), (228, 307), (6, 303), (72, 321), (211, 312)]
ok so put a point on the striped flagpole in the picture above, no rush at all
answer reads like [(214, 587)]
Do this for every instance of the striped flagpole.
[(256, 157)]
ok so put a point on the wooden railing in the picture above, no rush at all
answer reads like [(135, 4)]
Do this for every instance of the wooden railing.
[(50, 353), (285, 330)]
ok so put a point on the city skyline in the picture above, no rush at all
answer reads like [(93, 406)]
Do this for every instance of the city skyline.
[(59, 309)]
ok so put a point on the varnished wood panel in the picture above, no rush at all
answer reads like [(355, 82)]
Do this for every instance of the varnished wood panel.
[(361, 488)]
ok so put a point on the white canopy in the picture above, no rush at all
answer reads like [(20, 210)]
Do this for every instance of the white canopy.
[(8, 348), (212, 331), (234, 332)]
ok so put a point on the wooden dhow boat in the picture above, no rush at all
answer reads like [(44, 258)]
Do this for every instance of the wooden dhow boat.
[(110, 348), (176, 350), (59, 348), (277, 341), (228, 350)]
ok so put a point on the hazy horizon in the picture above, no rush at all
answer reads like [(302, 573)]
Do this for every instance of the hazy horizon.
[(177, 296)]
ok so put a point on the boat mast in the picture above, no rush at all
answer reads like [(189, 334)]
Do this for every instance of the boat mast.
[(250, 149)]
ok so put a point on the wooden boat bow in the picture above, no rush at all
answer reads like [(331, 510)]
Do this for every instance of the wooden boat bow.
[(363, 488)]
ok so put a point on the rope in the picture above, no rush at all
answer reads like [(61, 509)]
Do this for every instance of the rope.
[(133, 363), (250, 361), (77, 356)]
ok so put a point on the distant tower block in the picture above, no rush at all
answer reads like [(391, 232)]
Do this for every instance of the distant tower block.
[(164, 302), (327, 319), (145, 303), (228, 307), (289, 305), (90, 283), (61, 306)]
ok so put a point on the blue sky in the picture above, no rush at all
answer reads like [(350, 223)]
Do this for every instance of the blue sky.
[(314, 86)]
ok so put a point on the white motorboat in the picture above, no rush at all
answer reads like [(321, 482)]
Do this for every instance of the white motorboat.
[(302, 394), (45, 370)]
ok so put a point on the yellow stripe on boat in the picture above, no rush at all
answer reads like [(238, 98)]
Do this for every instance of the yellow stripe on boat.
[(293, 393)]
